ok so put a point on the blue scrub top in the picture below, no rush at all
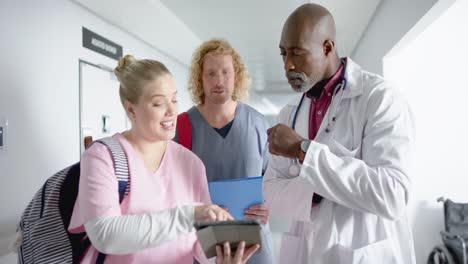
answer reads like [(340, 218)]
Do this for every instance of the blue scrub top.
[(243, 152)]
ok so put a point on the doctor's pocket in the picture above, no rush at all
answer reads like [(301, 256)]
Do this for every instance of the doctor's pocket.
[(379, 252), (342, 151), (291, 249)]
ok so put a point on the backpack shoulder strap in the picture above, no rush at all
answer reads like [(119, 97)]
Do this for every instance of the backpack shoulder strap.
[(121, 172), (184, 130), (120, 164)]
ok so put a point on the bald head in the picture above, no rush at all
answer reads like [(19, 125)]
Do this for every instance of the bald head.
[(308, 46), (312, 22)]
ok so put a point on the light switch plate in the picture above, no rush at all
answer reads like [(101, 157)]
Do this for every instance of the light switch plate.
[(105, 124), (3, 133), (1, 137)]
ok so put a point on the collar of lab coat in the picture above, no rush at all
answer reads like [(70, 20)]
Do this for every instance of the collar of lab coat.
[(353, 75)]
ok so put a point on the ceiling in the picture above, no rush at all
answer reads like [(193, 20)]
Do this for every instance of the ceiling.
[(253, 27)]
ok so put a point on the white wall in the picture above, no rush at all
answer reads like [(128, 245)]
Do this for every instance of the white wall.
[(41, 43), (392, 19), (429, 65)]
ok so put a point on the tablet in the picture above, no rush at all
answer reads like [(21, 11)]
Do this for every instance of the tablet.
[(211, 234)]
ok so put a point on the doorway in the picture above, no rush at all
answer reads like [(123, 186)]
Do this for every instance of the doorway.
[(101, 112)]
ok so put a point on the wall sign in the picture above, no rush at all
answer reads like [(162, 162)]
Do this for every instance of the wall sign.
[(101, 45)]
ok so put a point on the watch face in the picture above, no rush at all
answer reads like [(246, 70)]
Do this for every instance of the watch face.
[(305, 145)]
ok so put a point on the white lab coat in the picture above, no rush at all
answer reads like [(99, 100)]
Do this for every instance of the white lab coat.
[(361, 170)]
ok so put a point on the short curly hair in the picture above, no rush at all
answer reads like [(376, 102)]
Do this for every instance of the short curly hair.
[(217, 47)]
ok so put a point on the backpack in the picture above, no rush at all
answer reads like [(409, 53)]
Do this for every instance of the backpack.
[(184, 130), (44, 223)]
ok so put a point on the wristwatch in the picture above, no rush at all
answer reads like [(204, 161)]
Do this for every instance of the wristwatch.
[(305, 145)]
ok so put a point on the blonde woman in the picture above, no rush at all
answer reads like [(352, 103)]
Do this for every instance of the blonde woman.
[(168, 188)]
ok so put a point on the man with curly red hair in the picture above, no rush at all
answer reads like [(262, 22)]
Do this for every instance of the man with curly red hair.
[(228, 135)]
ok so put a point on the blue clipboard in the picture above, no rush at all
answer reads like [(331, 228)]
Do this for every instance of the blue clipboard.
[(237, 195)]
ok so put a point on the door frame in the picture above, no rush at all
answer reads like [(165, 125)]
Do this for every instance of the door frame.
[(82, 63)]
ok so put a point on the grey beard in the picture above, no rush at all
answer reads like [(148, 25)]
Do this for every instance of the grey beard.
[(301, 89), (304, 87)]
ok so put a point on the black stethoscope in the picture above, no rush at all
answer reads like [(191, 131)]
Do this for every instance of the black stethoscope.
[(295, 167)]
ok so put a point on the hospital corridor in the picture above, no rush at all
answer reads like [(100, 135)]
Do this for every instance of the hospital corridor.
[(232, 132)]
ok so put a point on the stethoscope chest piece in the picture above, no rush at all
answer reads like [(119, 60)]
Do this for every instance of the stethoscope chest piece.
[(294, 169)]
